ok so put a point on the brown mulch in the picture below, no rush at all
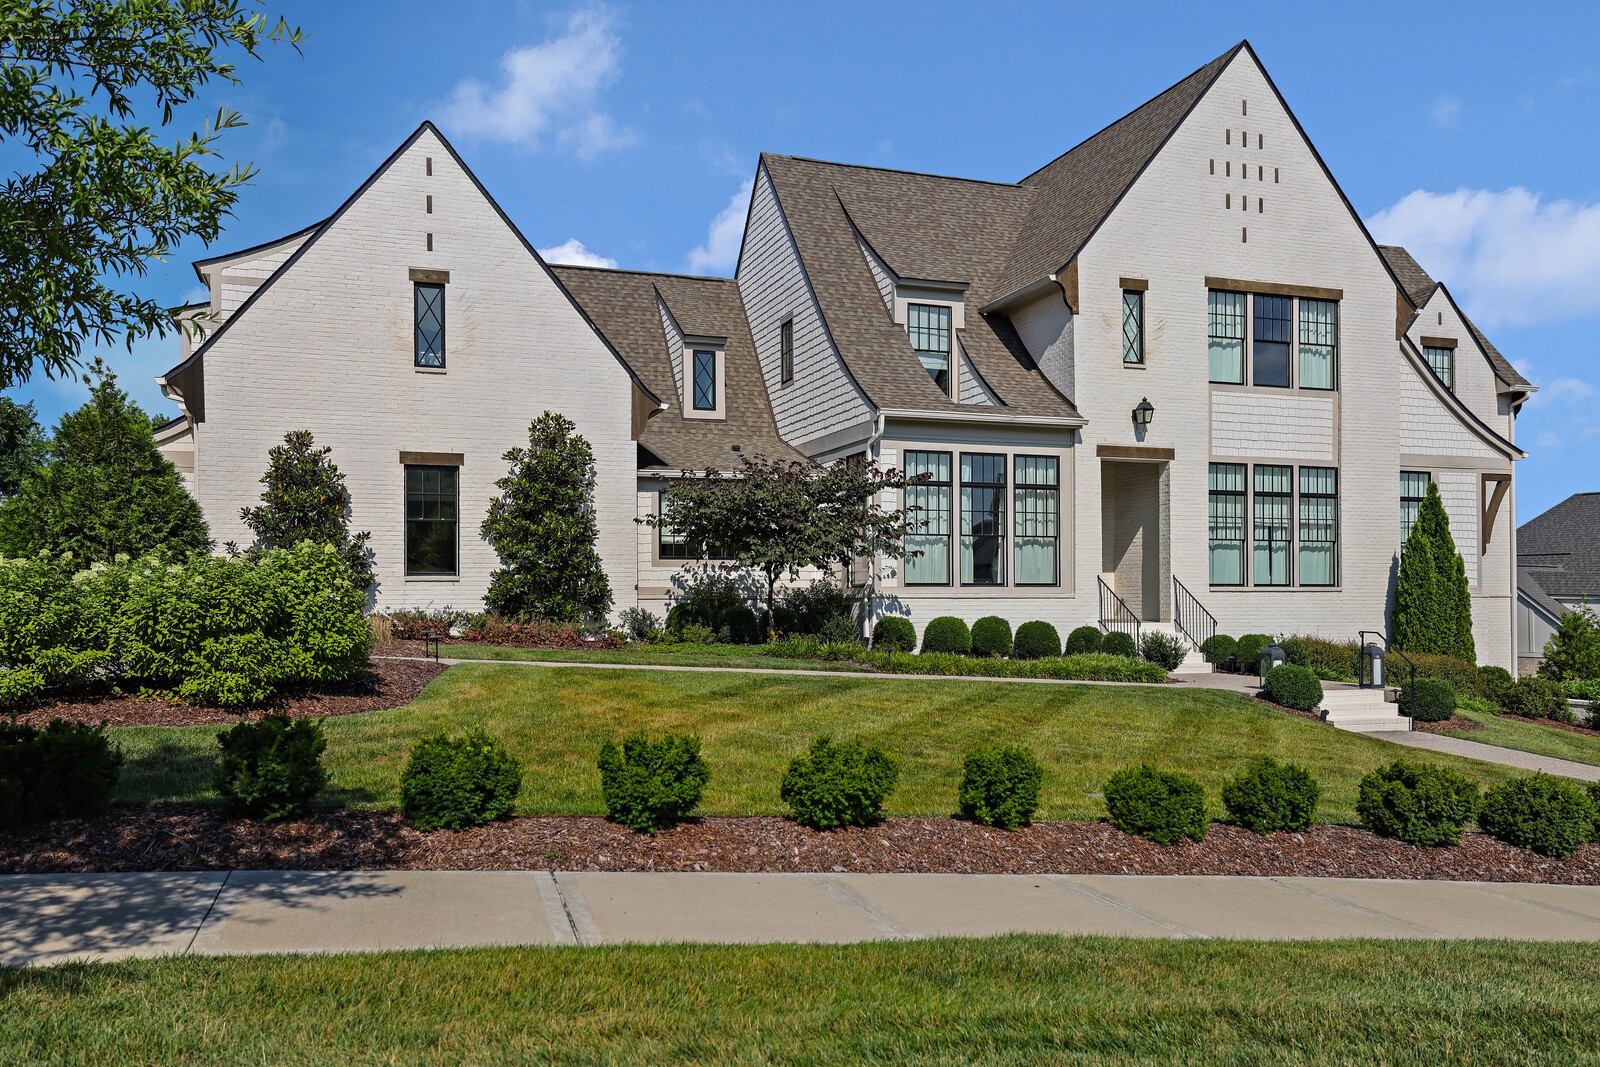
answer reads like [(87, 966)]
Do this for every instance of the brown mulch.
[(1449, 726), (387, 684), (144, 839)]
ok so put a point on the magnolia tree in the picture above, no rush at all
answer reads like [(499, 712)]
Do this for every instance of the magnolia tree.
[(778, 516), (305, 499)]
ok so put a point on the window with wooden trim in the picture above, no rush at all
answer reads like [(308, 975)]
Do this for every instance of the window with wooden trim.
[(927, 496), (983, 518), (432, 519), (428, 314), (1037, 525), (1292, 342), (929, 328), (1319, 526), (1226, 508), (786, 351), (1442, 361), (1132, 326), (1413, 491)]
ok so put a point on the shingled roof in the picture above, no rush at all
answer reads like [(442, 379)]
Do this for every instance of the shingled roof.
[(1420, 287), (1561, 547), (623, 306)]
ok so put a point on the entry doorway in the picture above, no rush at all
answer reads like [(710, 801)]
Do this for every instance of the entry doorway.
[(1134, 539)]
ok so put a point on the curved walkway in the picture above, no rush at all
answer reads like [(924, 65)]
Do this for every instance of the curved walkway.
[(1509, 757)]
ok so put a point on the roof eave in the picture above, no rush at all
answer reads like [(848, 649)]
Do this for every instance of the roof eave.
[(925, 415)]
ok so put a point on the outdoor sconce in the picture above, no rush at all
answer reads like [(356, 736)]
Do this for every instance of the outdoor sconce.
[(1271, 656), (1371, 676), (1143, 414)]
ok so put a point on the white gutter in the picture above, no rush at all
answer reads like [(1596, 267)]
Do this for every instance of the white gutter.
[(999, 303), (1050, 421)]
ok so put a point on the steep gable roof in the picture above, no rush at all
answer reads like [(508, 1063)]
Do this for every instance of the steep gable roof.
[(1562, 547), (1420, 287)]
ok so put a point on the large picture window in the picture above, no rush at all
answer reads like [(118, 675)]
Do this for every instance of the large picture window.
[(1132, 326), (1274, 492), (432, 504), (428, 310), (927, 559), (983, 519), (929, 328), (1413, 490), (1225, 318), (1038, 518), (1319, 525), (1319, 343), (1269, 343)]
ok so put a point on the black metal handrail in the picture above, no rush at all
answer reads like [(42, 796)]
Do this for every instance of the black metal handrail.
[(1190, 616), (1115, 613), (1407, 693)]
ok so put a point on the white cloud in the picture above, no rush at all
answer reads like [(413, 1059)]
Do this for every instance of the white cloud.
[(1445, 111), (274, 135), (549, 92), (572, 251), (720, 252), (1511, 256)]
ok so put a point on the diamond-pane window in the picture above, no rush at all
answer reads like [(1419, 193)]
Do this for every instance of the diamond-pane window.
[(429, 304), (1132, 326), (705, 380)]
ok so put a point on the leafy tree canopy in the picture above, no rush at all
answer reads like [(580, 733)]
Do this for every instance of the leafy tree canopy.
[(82, 83), (305, 499), (22, 442)]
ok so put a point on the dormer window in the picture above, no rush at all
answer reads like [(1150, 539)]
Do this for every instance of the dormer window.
[(705, 380), (929, 328), (1442, 361)]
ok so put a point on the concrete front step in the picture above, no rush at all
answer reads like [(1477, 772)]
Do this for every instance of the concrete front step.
[(1362, 710), (1193, 661)]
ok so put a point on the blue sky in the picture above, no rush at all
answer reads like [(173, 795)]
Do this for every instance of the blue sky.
[(626, 132)]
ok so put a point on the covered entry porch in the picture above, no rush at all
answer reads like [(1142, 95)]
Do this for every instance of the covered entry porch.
[(1135, 535)]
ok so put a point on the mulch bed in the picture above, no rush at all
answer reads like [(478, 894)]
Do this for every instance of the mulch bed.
[(197, 838), (388, 684), (1449, 726)]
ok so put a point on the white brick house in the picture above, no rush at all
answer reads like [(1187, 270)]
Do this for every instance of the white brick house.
[(1193, 265)]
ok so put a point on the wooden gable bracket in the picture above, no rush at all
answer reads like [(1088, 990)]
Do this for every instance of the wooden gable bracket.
[(1491, 503)]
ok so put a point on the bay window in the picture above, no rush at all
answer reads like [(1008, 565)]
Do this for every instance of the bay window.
[(927, 491), (1038, 518), (983, 518)]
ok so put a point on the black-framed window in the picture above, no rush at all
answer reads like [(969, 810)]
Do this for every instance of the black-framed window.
[(1319, 526), (929, 328), (786, 351), (705, 380), (1132, 326), (432, 509), (428, 308), (1272, 529), (1226, 508), (1442, 361), (1225, 327), (1271, 340), (1037, 523), (927, 492), (671, 545), (1319, 344), (1413, 490), (983, 518)]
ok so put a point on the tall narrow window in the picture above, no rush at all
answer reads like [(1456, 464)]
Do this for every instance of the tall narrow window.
[(1132, 326), (1038, 519), (786, 351), (428, 300), (1443, 363), (1225, 318), (1274, 492), (432, 497), (1269, 345), (983, 519), (1319, 525), (1413, 490), (705, 380), (928, 504), (1226, 508), (929, 327), (1319, 343)]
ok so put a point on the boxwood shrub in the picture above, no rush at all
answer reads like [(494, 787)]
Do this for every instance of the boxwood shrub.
[(839, 784), (1249, 651), (1096, 667), (1428, 700), (1293, 687), (1036, 640), (1418, 803), (271, 769), (1084, 639), (743, 626), (892, 633), (650, 783), (947, 634), (1000, 786), (1268, 796), (1218, 647), (1164, 806), (1117, 643), (1551, 816), (65, 770), (1534, 697), (458, 782), (991, 636)]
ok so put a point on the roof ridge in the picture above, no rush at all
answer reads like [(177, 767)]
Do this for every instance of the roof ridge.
[(893, 170), (645, 273)]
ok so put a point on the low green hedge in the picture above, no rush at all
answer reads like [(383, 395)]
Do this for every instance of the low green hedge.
[(650, 783), (1249, 651), (1551, 816), (1096, 667), (1218, 647), (1418, 803), (1000, 786), (991, 636)]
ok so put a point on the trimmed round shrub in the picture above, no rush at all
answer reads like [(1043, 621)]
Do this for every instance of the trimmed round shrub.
[(1000, 786), (1548, 815), (839, 784), (1083, 640), (991, 636), (650, 783), (1218, 647), (743, 627), (272, 768), (1418, 803), (1296, 651), (1166, 651), (1535, 697), (458, 782), (66, 770), (684, 615), (1249, 651), (1268, 796), (1428, 700), (1493, 675), (1117, 643), (1293, 687), (1036, 640), (892, 633), (947, 634), (1164, 806)]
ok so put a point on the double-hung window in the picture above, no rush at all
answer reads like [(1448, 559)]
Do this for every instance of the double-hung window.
[(1270, 339), (1319, 525), (786, 351), (1443, 363), (1225, 318), (928, 504), (428, 312), (672, 545), (1038, 519), (1293, 524), (1274, 491), (705, 380), (432, 504), (1291, 341), (1226, 505), (983, 519), (1413, 490), (1319, 341), (929, 328), (1132, 326)]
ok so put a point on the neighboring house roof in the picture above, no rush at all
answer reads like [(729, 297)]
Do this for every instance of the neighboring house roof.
[(1531, 590), (1420, 288), (1562, 548), (925, 228), (623, 306)]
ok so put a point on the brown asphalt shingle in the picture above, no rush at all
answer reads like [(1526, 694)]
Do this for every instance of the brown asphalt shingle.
[(1420, 288)]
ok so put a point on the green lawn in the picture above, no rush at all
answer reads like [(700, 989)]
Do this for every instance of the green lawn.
[(1023, 999), (648, 655), (555, 720), (1529, 737)]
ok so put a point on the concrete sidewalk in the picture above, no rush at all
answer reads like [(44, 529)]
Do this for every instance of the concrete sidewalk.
[(1506, 757), (53, 918)]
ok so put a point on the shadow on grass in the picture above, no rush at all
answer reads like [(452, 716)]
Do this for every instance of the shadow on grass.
[(168, 773)]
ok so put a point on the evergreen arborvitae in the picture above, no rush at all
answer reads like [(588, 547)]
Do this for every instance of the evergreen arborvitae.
[(542, 526), (1416, 595), (1573, 651), (1454, 627), (305, 499), (104, 488)]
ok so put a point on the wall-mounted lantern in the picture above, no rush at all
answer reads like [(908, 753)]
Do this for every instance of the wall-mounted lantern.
[(1143, 414)]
